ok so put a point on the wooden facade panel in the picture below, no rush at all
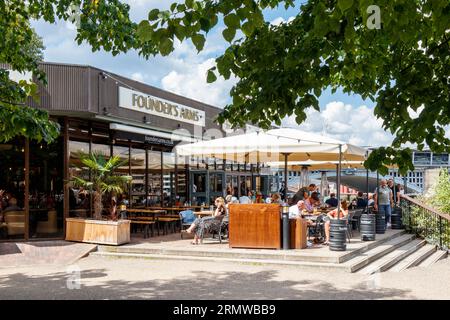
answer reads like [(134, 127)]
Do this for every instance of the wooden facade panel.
[(255, 226)]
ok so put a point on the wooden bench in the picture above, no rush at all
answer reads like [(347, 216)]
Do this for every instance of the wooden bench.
[(146, 224), (172, 221)]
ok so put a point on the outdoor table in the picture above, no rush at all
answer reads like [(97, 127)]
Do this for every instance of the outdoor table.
[(144, 213), (200, 214), (179, 208)]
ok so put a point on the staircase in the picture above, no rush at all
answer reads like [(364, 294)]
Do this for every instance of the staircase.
[(394, 253)]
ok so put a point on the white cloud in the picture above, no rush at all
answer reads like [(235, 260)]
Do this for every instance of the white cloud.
[(280, 20), (138, 76), (191, 82), (356, 125), (183, 71)]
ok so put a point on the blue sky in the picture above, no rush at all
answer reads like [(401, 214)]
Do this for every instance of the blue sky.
[(343, 116)]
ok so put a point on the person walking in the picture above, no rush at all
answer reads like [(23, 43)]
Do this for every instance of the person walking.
[(283, 191), (384, 201)]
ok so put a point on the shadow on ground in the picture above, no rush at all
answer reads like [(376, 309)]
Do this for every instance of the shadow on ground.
[(199, 285)]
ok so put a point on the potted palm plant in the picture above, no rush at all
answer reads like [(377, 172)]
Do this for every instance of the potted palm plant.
[(103, 180)]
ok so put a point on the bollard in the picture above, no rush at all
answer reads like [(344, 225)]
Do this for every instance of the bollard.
[(286, 227)]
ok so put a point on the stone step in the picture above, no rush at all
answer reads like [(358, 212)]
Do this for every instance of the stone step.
[(435, 257), (254, 254), (379, 251), (295, 264), (415, 258), (369, 245), (390, 259)]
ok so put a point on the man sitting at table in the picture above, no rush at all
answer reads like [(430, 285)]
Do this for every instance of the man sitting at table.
[(332, 202), (312, 201), (333, 215), (296, 210)]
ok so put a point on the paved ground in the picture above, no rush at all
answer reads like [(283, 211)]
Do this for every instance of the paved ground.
[(112, 278), (38, 253)]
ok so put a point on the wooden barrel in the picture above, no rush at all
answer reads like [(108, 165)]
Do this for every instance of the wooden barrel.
[(367, 227), (338, 230)]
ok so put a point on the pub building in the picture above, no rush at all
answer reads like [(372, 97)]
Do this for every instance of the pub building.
[(105, 113)]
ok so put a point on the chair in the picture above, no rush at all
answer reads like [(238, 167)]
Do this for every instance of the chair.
[(221, 229), (186, 219), (356, 217), (317, 230), (349, 230), (15, 222)]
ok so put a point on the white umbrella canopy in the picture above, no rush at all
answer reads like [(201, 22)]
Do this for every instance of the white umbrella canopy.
[(317, 165), (272, 145)]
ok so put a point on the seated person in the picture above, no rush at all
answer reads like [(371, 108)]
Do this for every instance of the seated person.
[(312, 201), (12, 205), (333, 215), (200, 225), (245, 199), (332, 201), (276, 198), (361, 202), (296, 210)]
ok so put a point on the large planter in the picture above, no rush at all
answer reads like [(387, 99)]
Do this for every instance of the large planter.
[(98, 231)]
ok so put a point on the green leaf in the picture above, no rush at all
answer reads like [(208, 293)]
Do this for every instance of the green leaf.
[(199, 41), (344, 5), (229, 34), (189, 4), (211, 77), (247, 28), (144, 31), (153, 14), (166, 46), (232, 21)]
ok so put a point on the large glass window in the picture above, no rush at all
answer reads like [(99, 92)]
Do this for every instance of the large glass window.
[(199, 183), (154, 178), (79, 199), (440, 159), (12, 186), (216, 182), (181, 181), (229, 185), (242, 186), (46, 190), (138, 182), (123, 152), (422, 158), (102, 149), (168, 178)]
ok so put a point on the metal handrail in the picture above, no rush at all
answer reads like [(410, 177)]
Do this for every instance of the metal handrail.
[(426, 207), (426, 222)]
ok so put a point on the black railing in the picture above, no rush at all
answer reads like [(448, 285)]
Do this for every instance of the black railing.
[(426, 222)]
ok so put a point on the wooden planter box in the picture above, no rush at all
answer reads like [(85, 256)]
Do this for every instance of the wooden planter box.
[(98, 231)]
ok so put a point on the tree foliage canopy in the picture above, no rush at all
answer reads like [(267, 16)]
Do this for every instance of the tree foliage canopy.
[(103, 24), (283, 69)]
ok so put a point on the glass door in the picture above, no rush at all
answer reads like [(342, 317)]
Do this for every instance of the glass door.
[(198, 187), (12, 186), (216, 186), (46, 190)]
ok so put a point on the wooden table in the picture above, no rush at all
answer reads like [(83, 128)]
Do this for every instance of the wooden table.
[(178, 208), (146, 211), (204, 213)]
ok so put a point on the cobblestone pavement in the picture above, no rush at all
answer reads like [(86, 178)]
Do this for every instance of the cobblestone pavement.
[(112, 278)]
